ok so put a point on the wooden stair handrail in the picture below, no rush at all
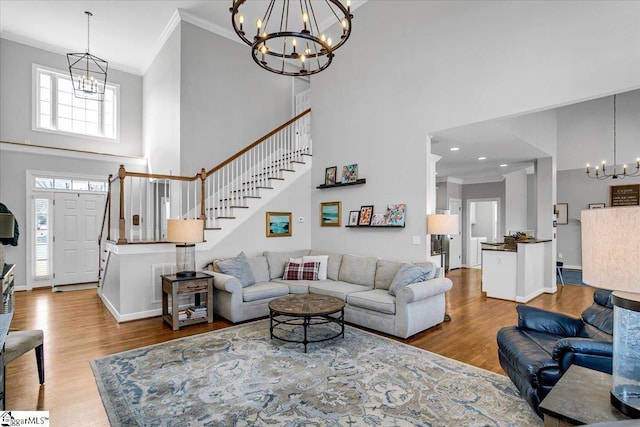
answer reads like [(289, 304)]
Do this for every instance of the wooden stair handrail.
[(256, 143)]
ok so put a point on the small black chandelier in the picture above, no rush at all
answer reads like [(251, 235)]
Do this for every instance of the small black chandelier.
[(603, 174), (88, 72), (294, 45)]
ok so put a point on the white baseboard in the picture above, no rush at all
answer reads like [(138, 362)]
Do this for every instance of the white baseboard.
[(131, 316), (531, 296)]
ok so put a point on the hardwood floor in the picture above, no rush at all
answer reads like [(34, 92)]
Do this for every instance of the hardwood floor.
[(78, 328)]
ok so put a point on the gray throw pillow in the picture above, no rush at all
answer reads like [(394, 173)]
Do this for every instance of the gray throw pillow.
[(408, 274), (239, 268)]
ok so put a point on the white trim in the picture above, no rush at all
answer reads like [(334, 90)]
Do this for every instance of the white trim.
[(128, 317), (164, 36), (70, 153), (209, 26), (60, 50)]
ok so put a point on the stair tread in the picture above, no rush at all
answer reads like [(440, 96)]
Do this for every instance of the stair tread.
[(225, 217)]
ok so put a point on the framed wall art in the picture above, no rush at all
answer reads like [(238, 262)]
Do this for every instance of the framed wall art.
[(349, 173), (366, 213), (378, 220), (278, 224), (330, 213), (395, 215), (353, 218), (330, 175), (562, 213), (597, 205)]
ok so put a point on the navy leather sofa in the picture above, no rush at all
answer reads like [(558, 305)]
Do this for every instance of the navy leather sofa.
[(545, 344)]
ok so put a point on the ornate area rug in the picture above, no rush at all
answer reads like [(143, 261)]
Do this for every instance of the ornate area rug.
[(238, 376)]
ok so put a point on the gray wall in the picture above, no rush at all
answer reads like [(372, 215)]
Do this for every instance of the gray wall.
[(15, 103), (226, 100), (161, 97)]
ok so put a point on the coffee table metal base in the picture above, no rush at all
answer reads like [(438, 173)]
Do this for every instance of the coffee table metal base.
[(305, 321)]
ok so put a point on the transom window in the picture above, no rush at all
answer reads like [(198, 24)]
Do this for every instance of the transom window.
[(56, 109), (73, 184)]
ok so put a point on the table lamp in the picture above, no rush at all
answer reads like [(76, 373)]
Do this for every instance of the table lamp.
[(441, 225), (611, 260), (185, 233)]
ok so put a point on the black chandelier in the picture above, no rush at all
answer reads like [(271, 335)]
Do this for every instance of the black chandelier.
[(294, 45), (603, 174), (88, 72)]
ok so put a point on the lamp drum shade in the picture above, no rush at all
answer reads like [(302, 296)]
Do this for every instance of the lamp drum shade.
[(442, 224), (185, 230)]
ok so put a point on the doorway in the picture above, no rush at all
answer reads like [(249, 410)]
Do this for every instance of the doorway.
[(77, 218), (482, 226), (455, 240)]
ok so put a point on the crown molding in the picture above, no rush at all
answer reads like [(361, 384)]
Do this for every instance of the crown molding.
[(61, 50)]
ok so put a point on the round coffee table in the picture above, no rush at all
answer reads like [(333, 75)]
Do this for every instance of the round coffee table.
[(306, 310)]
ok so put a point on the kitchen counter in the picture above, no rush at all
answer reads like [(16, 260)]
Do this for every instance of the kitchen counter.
[(509, 247)]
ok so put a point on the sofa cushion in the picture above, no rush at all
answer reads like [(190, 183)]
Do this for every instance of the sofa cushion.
[(406, 275), (264, 290), (336, 288), (300, 286), (385, 272), (304, 271), (358, 270), (323, 260), (277, 261), (259, 268), (333, 266), (376, 299), (239, 268)]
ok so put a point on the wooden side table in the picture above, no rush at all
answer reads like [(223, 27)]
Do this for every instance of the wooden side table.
[(175, 286), (580, 397)]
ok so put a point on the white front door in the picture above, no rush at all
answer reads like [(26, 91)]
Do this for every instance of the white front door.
[(455, 240), (77, 219)]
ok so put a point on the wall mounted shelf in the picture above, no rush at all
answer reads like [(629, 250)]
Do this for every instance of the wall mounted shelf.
[(340, 184)]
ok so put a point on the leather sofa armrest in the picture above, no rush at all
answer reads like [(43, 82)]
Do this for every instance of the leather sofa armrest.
[(226, 283), (585, 352), (423, 290), (537, 319)]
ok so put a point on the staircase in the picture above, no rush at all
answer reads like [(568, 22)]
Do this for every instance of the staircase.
[(138, 204)]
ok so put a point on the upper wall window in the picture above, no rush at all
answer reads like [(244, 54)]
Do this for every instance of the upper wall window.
[(56, 109)]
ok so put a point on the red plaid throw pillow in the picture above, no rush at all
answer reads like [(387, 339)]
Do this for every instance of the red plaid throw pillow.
[(306, 271)]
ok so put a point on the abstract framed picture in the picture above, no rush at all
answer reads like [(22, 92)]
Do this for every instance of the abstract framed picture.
[(278, 224), (366, 213), (378, 220), (395, 215), (330, 175), (349, 173), (597, 205), (330, 213), (353, 218)]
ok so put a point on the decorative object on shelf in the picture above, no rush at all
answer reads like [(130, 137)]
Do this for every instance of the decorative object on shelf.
[(294, 45), (353, 218), (350, 173), (185, 233), (395, 215), (330, 213), (562, 213), (278, 224), (624, 195), (366, 213), (610, 253), (378, 220), (603, 174), (88, 72), (330, 175), (597, 205)]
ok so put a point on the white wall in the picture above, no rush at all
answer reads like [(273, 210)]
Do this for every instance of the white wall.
[(161, 113), (16, 62), (226, 101), (387, 89)]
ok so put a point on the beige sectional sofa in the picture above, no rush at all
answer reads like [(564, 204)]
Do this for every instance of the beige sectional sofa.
[(362, 282)]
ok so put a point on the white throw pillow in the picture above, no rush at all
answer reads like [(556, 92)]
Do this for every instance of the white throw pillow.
[(324, 263), (295, 260)]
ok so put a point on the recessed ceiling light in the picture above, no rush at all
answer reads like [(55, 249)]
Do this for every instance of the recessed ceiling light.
[(504, 165), (454, 149), (482, 158)]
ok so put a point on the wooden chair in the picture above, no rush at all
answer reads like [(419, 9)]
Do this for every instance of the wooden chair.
[(19, 342)]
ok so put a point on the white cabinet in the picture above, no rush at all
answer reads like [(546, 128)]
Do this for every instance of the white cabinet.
[(474, 252)]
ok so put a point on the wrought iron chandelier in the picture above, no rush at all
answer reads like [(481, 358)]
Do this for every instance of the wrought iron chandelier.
[(88, 72), (603, 174), (294, 44)]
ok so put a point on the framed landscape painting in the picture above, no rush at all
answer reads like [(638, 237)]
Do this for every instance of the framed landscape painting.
[(278, 224), (330, 214)]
